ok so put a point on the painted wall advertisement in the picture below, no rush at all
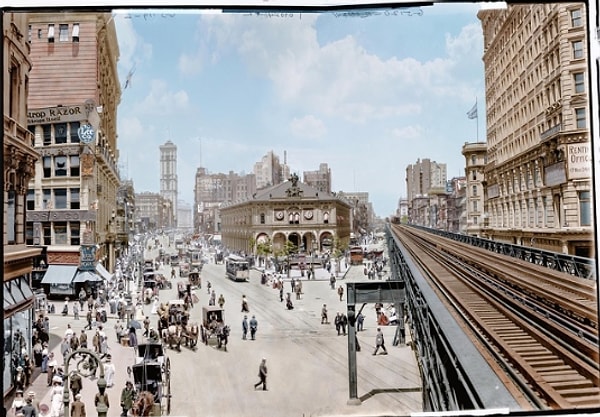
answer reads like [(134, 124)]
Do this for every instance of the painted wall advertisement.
[(579, 162)]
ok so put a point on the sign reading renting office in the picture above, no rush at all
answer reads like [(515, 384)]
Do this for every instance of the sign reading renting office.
[(579, 161)]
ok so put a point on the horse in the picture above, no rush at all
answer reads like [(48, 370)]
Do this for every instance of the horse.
[(143, 404), (222, 337), (191, 332), (171, 335)]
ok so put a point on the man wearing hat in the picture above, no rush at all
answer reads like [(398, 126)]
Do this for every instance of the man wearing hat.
[(244, 327), (34, 401), (29, 409), (78, 407), (127, 396), (75, 383), (262, 374)]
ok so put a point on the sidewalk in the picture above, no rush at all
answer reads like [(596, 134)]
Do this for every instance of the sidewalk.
[(122, 357)]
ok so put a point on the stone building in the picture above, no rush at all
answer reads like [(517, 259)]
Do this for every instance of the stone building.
[(153, 211), (311, 220), (475, 158), (539, 156), (168, 176), (73, 96), (19, 163)]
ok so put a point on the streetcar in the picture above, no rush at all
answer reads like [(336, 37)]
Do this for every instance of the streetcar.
[(237, 268)]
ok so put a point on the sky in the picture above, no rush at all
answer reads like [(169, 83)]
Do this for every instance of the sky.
[(367, 92)]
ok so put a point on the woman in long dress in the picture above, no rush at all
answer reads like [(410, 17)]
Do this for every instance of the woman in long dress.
[(56, 397)]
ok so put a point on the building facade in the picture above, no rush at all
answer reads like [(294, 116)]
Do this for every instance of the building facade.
[(168, 176), (319, 179), (19, 161), (268, 171), (212, 190), (475, 160), (152, 212), (72, 111), (538, 172), (293, 212)]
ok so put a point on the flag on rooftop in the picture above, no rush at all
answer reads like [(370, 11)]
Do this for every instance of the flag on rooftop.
[(472, 114)]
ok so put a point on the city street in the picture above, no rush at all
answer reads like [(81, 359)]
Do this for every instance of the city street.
[(307, 362)]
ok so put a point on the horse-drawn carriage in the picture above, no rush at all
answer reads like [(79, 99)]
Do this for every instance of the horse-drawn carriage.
[(151, 374), (194, 278), (174, 326), (214, 327)]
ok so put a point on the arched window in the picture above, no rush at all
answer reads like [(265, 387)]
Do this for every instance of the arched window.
[(326, 217)]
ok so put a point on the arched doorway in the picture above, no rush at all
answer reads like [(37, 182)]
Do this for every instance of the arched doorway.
[(295, 239)]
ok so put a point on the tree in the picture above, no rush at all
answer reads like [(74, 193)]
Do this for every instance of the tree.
[(339, 249)]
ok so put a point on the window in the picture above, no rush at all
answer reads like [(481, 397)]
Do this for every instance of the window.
[(75, 240), (50, 33), (60, 233), (47, 163), (60, 198), (325, 217), (39, 33), (47, 134), (580, 118), (74, 199), (577, 49), (47, 233), (579, 82), (475, 206), (30, 200), (585, 209), (63, 32), (29, 234), (576, 18), (10, 213), (474, 191), (47, 199), (74, 159), (262, 218), (29, 34), (60, 133), (473, 159), (474, 172), (74, 126), (60, 166), (75, 32), (13, 92)]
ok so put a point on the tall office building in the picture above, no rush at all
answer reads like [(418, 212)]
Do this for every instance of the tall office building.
[(268, 171), (319, 179), (539, 156), (72, 104), (168, 176), (423, 176)]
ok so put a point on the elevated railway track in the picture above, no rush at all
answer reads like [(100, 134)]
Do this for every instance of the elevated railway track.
[(537, 327)]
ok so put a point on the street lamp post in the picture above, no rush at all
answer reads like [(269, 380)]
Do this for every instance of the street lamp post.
[(87, 365)]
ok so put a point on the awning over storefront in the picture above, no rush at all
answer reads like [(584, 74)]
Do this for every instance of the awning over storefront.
[(59, 274), (83, 276), (103, 272), (17, 292)]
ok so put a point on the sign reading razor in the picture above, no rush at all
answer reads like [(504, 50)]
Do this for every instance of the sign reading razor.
[(56, 115)]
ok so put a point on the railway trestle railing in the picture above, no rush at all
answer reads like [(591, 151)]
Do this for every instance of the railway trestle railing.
[(448, 380)]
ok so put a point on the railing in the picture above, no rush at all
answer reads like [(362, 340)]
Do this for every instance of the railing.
[(551, 132)]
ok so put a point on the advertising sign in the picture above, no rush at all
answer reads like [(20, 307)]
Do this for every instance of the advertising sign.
[(579, 162)]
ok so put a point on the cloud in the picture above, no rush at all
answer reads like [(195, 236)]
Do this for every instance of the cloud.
[(190, 64), (308, 127), (407, 132), (467, 43), (132, 48), (160, 100)]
